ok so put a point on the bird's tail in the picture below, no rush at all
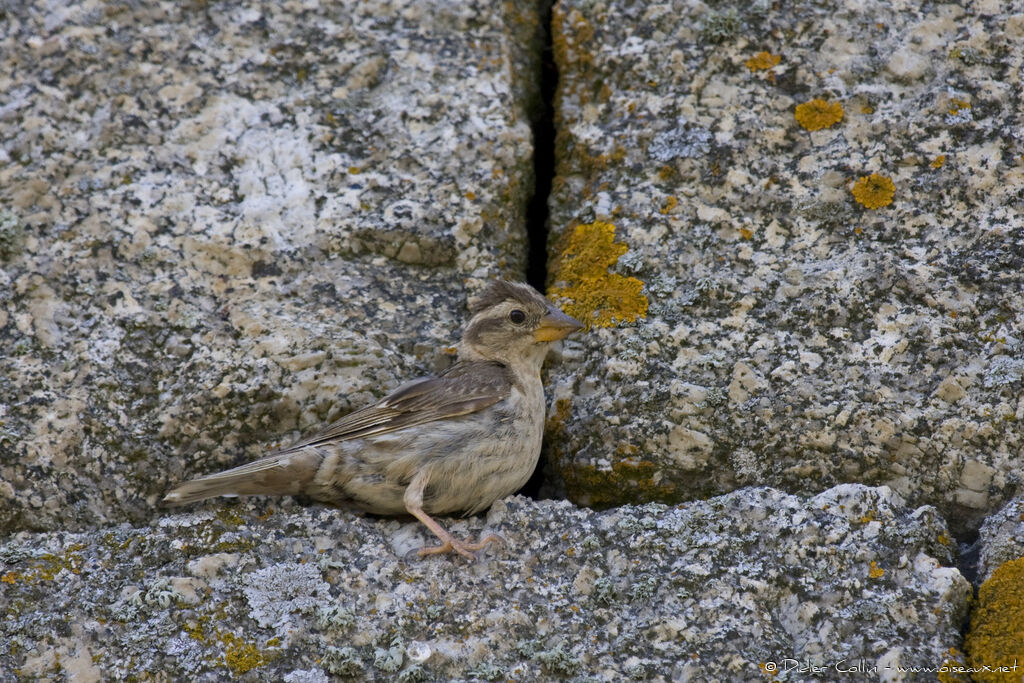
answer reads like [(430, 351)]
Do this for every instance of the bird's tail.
[(282, 474)]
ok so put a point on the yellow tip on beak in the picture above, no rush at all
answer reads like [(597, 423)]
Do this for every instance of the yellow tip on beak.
[(556, 325)]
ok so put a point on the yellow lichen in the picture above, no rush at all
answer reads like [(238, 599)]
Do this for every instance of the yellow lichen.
[(953, 668), (582, 275), (874, 571), (874, 191), (939, 161), (762, 61), (818, 114), (956, 105), (996, 635), (242, 656)]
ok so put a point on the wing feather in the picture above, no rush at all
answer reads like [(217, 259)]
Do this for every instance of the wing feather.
[(464, 388)]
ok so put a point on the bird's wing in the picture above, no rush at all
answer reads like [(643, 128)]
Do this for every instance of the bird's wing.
[(464, 388)]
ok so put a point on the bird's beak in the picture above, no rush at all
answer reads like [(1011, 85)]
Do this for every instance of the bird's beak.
[(556, 325)]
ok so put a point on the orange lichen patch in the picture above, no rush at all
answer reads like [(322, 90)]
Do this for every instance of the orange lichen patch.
[(670, 203), (939, 161), (875, 572), (746, 233), (762, 61), (818, 114), (874, 191), (867, 109), (582, 275), (9, 577), (996, 635)]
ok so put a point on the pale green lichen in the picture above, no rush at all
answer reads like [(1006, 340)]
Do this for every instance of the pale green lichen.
[(721, 26), (343, 661), (11, 233), (558, 661)]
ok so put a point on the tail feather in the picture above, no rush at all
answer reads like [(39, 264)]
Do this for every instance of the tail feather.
[(284, 474)]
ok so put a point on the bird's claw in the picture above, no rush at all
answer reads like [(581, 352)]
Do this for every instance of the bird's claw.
[(465, 548)]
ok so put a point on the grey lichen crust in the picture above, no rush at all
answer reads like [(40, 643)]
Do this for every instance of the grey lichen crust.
[(1002, 538), (724, 589), (222, 224), (798, 333)]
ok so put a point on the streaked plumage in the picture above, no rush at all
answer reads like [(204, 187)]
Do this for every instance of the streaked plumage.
[(449, 444)]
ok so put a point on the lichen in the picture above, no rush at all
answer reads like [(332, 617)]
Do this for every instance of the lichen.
[(241, 655), (762, 61), (11, 233), (414, 674), (558, 661), (581, 272), (996, 635), (47, 566), (343, 661), (874, 191), (953, 667), (721, 26), (818, 114), (628, 480)]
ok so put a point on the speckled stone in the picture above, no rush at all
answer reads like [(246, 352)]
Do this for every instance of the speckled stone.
[(1001, 539), (718, 590), (224, 223), (793, 336)]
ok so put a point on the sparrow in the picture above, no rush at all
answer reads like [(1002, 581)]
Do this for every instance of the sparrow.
[(440, 445)]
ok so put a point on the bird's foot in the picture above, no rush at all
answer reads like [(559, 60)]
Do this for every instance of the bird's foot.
[(465, 548)]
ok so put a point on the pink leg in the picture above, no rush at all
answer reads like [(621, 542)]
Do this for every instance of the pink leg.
[(413, 500)]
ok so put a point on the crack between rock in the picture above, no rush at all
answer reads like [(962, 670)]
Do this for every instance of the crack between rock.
[(543, 126)]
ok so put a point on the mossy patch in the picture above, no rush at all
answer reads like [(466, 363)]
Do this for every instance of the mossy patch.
[(582, 274), (628, 481)]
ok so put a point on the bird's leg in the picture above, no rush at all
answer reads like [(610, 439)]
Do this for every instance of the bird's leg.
[(413, 500)]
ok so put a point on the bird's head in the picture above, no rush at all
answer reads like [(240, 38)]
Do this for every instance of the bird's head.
[(512, 323)]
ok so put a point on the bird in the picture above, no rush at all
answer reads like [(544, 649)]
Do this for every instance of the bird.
[(445, 444)]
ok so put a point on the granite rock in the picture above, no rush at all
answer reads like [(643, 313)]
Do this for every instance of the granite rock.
[(222, 224), (798, 235), (725, 589), (1001, 539)]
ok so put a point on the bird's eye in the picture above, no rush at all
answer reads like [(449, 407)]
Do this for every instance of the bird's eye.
[(517, 316)]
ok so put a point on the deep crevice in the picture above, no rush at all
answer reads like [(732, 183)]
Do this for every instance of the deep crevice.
[(543, 126)]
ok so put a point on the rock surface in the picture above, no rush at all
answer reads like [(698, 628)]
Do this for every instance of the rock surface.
[(1002, 538), (719, 590), (224, 223), (799, 236)]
